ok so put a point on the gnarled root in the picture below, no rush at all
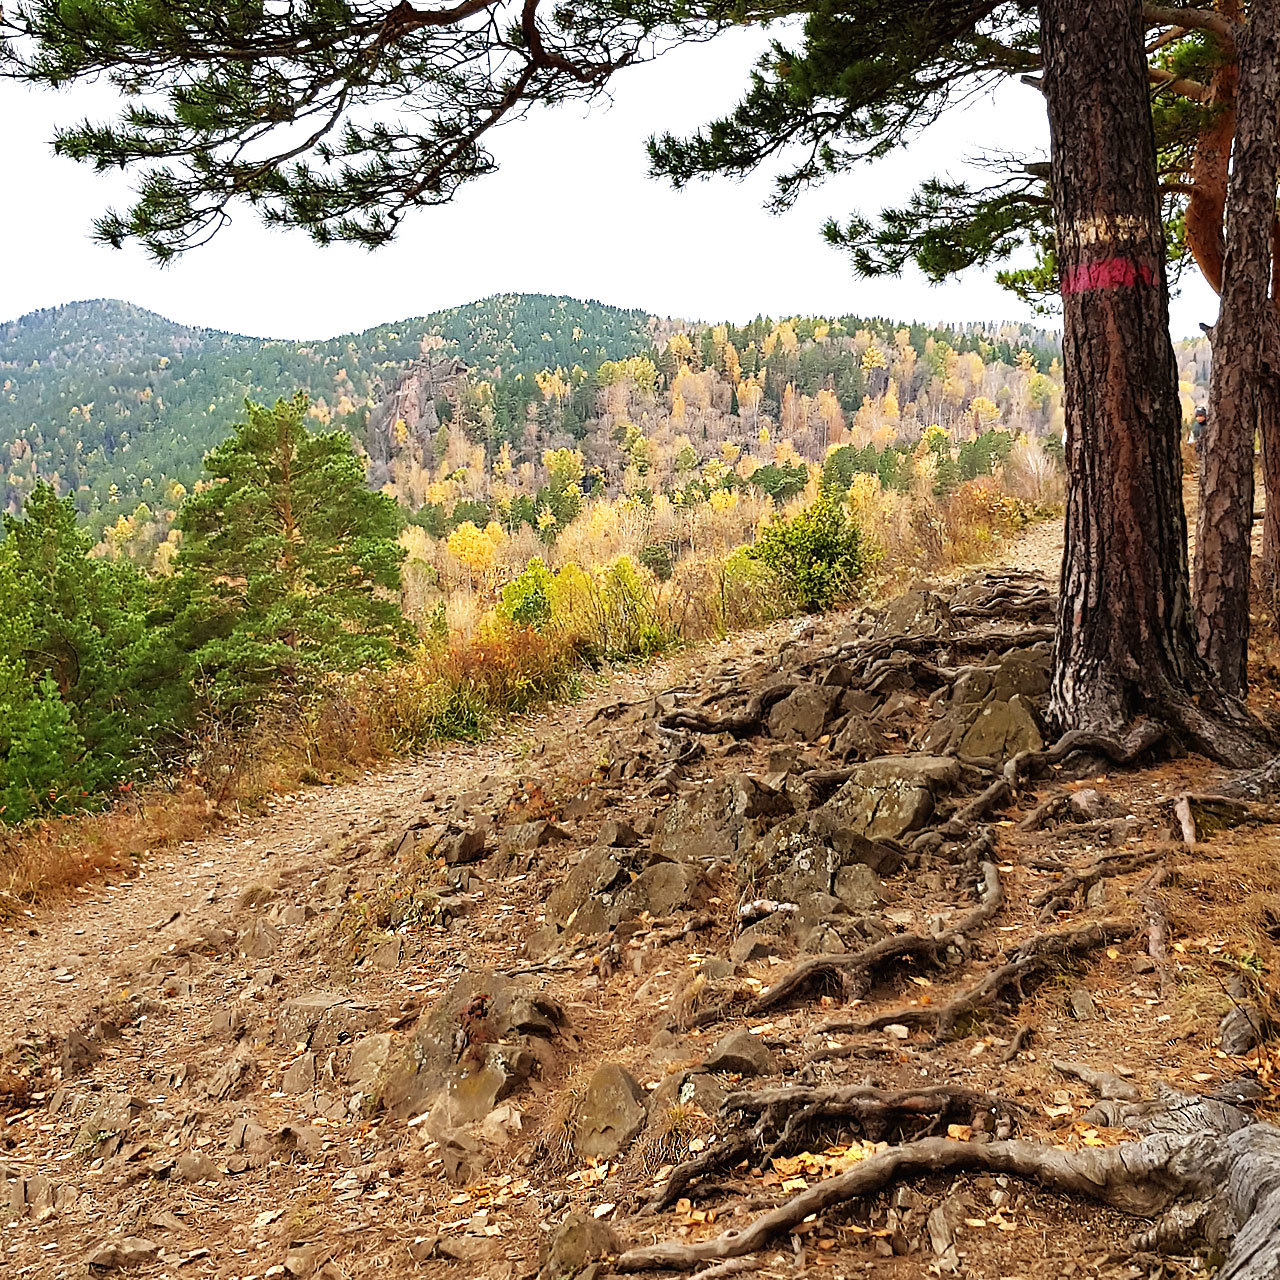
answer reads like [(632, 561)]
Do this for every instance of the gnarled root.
[(1030, 961), (849, 970), (1222, 1187)]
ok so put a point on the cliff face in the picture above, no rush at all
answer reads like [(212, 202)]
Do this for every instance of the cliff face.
[(405, 422)]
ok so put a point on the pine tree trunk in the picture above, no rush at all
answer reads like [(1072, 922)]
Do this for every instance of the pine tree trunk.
[(1242, 393), (1125, 654)]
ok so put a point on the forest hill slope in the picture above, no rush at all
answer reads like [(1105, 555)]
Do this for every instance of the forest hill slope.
[(802, 949)]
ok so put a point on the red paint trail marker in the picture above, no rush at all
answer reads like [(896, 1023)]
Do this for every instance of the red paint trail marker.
[(1110, 273)]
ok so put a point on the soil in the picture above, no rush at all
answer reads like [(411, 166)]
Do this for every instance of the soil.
[(151, 1054)]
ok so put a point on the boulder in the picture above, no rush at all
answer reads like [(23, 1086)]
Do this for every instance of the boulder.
[(300, 1075), (1001, 730), (487, 1026), (120, 1255), (618, 835), (611, 1113), (858, 888), (260, 939), (463, 846), (858, 739), (804, 854), (804, 714), (889, 797), (717, 820), (583, 900), (321, 1020), (915, 613), (743, 1054), (369, 1060), (579, 1240), (524, 837), (659, 890)]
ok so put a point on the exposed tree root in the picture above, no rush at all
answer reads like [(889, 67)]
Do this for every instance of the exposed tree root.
[(1158, 928), (853, 973), (1030, 961), (1144, 735), (782, 1119), (1061, 896), (741, 723), (1214, 1185)]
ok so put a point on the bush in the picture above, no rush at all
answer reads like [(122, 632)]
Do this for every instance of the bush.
[(817, 554), (526, 599)]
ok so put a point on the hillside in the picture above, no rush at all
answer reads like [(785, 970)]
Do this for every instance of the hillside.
[(101, 394), (119, 405)]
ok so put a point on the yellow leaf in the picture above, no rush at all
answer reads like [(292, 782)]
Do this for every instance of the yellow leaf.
[(960, 1132)]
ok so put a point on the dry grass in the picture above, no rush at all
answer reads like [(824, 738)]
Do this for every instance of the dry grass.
[(43, 860)]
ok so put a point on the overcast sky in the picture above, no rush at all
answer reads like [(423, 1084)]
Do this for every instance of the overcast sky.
[(571, 211)]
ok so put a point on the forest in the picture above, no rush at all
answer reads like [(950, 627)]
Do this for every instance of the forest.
[(875, 868), (614, 504)]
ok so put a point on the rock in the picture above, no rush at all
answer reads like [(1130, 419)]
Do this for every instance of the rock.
[(858, 887), (106, 1125), (300, 1075), (302, 1261), (886, 798), (523, 837), (471, 1094), (577, 1241), (582, 901), (463, 846), (195, 1166), (321, 1019), (1022, 673), (369, 1059), (757, 942), (386, 955), (464, 1158), (119, 1255), (858, 739), (803, 715), (804, 854), (467, 1249), (1091, 805), (611, 1113), (260, 939), (660, 889), (742, 1053), (1001, 730), (715, 821), (484, 1024), (618, 835), (685, 1089), (78, 1054), (1240, 1029), (915, 613), (1082, 1006)]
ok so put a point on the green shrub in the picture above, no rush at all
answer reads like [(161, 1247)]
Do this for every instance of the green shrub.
[(526, 599), (816, 555)]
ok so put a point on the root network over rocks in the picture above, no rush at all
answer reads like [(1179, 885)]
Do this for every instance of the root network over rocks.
[(809, 954)]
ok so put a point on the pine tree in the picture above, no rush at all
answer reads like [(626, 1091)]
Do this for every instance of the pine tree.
[(290, 563), (76, 706)]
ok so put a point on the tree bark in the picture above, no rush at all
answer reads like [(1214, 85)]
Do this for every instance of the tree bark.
[(1242, 393), (1124, 653)]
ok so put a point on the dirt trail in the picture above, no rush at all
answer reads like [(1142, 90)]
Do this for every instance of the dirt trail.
[(740, 926)]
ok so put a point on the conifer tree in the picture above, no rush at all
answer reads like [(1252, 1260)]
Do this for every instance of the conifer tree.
[(290, 563)]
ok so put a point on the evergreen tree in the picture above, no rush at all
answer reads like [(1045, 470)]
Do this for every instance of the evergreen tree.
[(75, 705), (290, 563)]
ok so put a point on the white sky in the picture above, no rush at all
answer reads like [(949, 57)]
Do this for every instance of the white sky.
[(571, 211)]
